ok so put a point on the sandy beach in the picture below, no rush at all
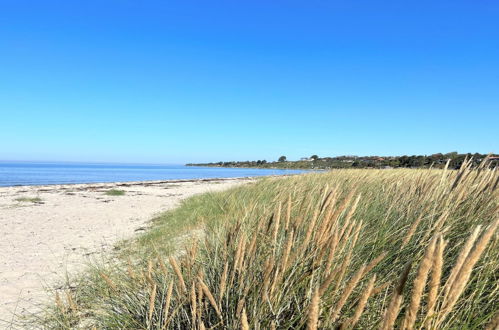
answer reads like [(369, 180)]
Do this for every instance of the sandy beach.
[(43, 240)]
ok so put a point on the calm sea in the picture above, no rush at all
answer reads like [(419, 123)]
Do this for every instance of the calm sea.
[(30, 173)]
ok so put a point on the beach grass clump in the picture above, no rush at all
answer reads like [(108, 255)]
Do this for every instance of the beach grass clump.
[(28, 199), (115, 192), (344, 249)]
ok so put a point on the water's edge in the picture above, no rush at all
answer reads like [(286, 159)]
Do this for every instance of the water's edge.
[(36, 174)]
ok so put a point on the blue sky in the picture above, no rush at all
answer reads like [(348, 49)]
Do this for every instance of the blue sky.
[(181, 81)]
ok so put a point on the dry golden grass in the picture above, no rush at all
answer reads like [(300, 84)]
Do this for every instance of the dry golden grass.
[(313, 311), (349, 248)]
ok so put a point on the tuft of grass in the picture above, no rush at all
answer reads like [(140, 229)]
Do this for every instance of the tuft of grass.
[(115, 192), (342, 249), (28, 199)]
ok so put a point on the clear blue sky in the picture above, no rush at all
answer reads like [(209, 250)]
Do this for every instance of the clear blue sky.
[(180, 81)]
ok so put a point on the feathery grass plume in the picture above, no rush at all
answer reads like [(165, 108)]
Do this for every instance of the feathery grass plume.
[(200, 295), (149, 268), (380, 288), (460, 173), (346, 230), (437, 226), (223, 282), (411, 231), (130, 271), (239, 262), (325, 195), (268, 227), (240, 306), (244, 320), (347, 292), (166, 307), (339, 211), (330, 207), (310, 229), (340, 273), (374, 262), (353, 208), (162, 266), (267, 270), (58, 302), (419, 284), (485, 162), (327, 281), (465, 272), (235, 266), (287, 251), (444, 172), (313, 311), (277, 223), (320, 233), (177, 271), (149, 278), (362, 303), (299, 221), (108, 281), (152, 299), (260, 224), (210, 297), (394, 306), (436, 275), (71, 303), (332, 249), (252, 246), (193, 249), (275, 281), (288, 213), (193, 304), (348, 258), (465, 250)]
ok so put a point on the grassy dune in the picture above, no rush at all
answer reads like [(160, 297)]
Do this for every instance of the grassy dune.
[(343, 249)]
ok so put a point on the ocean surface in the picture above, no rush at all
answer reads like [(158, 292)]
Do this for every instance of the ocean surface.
[(31, 173)]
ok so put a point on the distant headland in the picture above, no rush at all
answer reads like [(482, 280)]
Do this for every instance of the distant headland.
[(438, 160)]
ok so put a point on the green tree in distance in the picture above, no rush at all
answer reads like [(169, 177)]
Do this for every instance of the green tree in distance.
[(282, 159)]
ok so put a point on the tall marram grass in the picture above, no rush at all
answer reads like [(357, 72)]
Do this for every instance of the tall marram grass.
[(344, 249)]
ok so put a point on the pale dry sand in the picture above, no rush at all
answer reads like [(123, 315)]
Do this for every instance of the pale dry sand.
[(41, 242)]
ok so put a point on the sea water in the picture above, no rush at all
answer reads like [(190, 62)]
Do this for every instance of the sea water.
[(44, 173)]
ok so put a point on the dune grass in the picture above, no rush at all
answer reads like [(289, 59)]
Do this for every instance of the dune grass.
[(343, 249), (28, 199), (115, 192)]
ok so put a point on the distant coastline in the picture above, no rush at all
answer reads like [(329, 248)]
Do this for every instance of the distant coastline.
[(452, 160)]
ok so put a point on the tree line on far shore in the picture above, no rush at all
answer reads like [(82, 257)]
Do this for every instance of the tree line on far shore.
[(438, 160)]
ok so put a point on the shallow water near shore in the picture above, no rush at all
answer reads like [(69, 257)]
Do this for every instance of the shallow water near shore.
[(38, 173)]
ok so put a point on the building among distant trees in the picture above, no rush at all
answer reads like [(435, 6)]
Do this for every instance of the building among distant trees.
[(452, 159)]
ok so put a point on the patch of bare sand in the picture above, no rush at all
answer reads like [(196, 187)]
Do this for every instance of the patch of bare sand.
[(42, 241)]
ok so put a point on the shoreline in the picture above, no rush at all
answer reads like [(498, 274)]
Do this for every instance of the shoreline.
[(48, 231), (144, 182)]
